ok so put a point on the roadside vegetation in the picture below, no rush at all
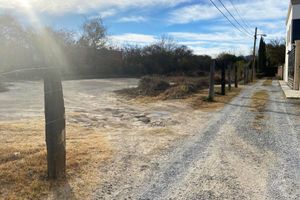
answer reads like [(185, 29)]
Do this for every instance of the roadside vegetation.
[(270, 57), (93, 55), (191, 90), (170, 87)]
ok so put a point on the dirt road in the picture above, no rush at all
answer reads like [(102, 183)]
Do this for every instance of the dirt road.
[(248, 150)]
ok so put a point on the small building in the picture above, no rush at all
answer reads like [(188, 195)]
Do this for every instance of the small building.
[(291, 69)]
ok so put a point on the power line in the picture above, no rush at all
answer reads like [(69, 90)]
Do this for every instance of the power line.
[(234, 18), (228, 18), (242, 19)]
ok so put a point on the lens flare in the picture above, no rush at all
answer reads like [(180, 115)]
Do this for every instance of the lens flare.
[(49, 49)]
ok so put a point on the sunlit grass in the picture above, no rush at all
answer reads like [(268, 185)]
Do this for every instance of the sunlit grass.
[(23, 166)]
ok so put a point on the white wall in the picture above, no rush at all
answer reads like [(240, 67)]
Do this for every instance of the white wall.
[(288, 45)]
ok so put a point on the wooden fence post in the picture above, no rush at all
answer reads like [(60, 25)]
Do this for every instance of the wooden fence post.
[(223, 80), (245, 74), (229, 77), (212, 81), (55, 125), (250, 72), (236, 76)]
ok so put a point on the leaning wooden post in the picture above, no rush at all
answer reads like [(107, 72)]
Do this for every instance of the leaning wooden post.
[(212, 81), (223, 80), (55, 125), (229, 77), (236, 76)]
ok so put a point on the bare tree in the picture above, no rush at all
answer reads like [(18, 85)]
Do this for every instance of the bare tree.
[(94, 34)]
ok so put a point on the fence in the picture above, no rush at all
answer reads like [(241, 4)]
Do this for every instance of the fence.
[(291, 67)]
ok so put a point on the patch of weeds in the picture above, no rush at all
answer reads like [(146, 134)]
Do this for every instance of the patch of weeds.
[(163, 88), (267, 82), (259, 101)]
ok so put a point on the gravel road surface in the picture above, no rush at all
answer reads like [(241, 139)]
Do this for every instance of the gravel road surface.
[(241, 152)]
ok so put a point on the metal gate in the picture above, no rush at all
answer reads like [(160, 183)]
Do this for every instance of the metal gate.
[(291, 68)]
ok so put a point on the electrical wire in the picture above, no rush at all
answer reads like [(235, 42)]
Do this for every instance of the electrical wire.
[(246, 31), (227, 18), (242, 19)]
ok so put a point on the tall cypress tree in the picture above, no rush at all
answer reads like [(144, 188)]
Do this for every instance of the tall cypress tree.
[(262, 56)]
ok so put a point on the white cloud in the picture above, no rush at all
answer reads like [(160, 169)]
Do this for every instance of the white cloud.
[(133, 19), (133, 39), (215, 43), (212, 37), (78, 6), (268, 15), (107, 13), (197, 42), (263, 9), (192, 13), (250, 10), (215, 51)]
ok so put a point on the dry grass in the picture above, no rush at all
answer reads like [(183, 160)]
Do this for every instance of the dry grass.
[(259, 100), (23, 162), (267, 82), (163, 88), (199, 101), (258, 104)]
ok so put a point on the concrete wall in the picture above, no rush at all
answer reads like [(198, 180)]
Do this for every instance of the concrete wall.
[(294, 14), (288, 44), (297, 66)]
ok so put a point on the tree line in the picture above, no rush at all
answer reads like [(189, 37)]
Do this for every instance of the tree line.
[(270, 56), (91, 55)]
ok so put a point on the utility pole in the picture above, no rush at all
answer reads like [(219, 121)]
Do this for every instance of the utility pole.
[(254, 49)]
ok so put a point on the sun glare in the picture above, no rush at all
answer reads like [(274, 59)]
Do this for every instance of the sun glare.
[(51, 51)]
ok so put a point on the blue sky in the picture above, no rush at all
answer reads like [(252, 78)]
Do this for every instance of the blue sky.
[(195, 23)]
